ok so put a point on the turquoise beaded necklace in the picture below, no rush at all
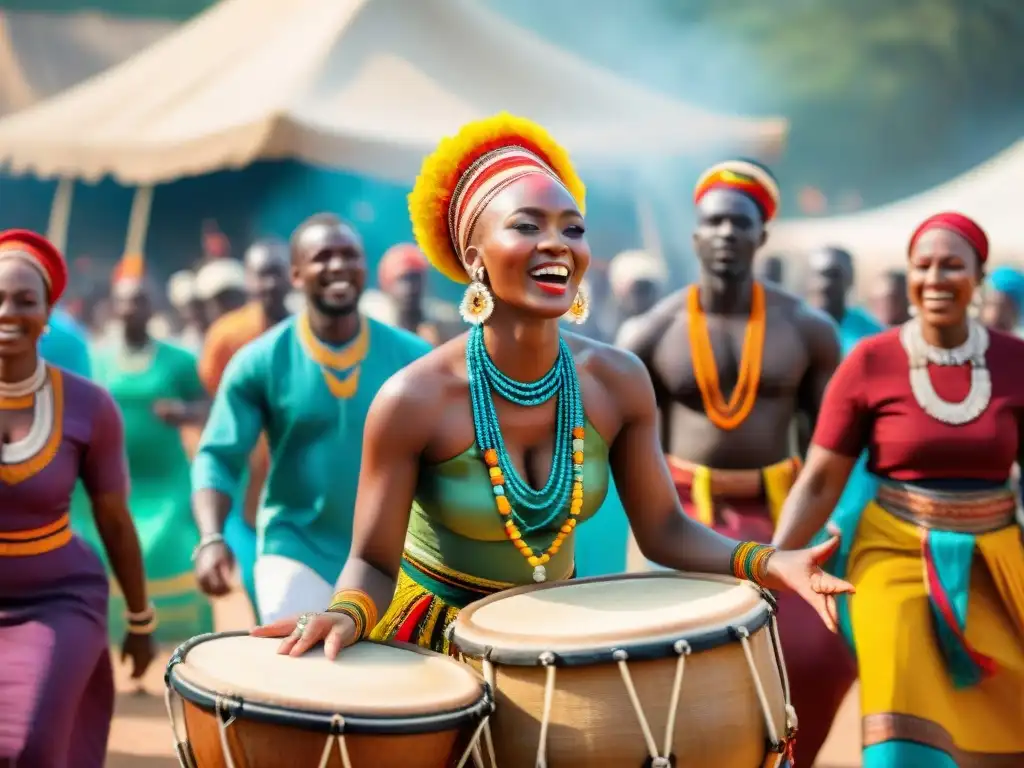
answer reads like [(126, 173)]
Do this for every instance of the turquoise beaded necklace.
[(526, 509)]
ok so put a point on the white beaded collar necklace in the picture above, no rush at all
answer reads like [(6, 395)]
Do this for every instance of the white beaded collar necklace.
[(920, 353)]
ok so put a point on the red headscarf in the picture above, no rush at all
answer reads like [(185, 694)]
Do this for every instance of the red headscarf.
[(43, 254), (959, 224), (400, 260)]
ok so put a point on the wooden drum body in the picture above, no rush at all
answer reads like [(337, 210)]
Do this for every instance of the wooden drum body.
[(235, 703), (660, 669)]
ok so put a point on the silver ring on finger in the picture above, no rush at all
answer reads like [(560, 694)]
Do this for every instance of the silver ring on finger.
[(302, 623)]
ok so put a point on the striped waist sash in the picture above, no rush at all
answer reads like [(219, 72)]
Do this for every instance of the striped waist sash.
[(974, 512), (36, 541), (453, 587)]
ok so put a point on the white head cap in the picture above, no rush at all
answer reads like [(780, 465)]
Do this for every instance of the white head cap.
[(631, 266), (219, 275), (181, 288)]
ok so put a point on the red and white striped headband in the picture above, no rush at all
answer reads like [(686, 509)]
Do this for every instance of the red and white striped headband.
[(482, 182)]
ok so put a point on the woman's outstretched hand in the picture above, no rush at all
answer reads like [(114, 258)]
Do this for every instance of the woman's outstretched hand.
[(799, 570), (300, 633)]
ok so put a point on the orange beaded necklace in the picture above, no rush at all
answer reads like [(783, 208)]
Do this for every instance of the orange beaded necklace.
[(727, 415)]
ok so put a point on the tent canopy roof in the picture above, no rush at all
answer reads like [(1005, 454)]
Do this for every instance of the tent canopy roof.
[(363, 85), (989, 194), (41, 55)]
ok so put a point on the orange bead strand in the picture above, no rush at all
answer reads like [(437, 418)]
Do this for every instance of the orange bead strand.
[(505, 508), (727, 415)]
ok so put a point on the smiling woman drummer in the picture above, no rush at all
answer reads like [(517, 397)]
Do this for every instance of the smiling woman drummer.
[(501, 440), (937, 558)]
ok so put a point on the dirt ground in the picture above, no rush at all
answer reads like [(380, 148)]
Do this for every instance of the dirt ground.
[(141, 734)]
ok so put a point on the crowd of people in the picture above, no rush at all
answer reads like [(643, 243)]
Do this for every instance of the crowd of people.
[(367, 473)]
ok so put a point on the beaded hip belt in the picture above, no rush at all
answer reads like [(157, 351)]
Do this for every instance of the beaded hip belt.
[(959, 511), (36, 541)]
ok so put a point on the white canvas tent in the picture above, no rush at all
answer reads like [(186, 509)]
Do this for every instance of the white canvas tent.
[(362, 85), (990, 194), (43, 54)]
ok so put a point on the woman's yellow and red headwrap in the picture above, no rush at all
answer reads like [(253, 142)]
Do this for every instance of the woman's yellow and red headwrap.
[(465, 173), (745, 176)]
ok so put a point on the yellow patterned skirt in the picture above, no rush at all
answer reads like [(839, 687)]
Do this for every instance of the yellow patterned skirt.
[(938, 624), (427, 599)]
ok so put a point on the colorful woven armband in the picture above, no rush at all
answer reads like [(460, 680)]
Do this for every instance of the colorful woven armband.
[(359, 607), (750, 561)]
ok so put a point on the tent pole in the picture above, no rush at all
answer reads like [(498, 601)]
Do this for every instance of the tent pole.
[(60, 213), (138, 221)]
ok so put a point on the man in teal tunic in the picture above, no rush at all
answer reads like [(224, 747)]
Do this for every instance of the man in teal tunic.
[(307, 383)]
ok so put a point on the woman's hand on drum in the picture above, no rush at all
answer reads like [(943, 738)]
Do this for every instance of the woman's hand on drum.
[(800, 570), (335, 630)]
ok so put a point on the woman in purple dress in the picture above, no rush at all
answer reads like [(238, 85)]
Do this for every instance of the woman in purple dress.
[(56, 683)]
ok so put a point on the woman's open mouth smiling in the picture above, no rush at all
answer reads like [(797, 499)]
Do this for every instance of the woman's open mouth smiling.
[(551, 278)]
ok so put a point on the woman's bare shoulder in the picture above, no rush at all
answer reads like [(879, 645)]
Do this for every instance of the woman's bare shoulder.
[(620, 372)]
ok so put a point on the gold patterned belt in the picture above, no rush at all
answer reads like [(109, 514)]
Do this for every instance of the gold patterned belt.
[(961, 511), (36, 541)]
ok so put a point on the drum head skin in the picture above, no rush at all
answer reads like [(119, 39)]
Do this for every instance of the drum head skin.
[(375, 687), (588, 620)]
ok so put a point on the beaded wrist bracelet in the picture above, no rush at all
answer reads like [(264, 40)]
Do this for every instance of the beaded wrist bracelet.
[(359, 607), (750, 561), (141, 623)]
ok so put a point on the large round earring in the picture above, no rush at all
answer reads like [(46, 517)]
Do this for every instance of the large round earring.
[(477, 303), (579, 310)]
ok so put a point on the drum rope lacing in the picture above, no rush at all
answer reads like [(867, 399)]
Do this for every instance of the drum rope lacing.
[(683, 650), (182, 748), (337, 737), (225, 721)]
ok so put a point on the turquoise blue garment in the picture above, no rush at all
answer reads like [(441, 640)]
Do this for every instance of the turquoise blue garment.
[(905, 754), (315, 439), (856, 325), (1008, 281), (948, 556), (243, 541), (861, 486), (66, 345), (601, 543)]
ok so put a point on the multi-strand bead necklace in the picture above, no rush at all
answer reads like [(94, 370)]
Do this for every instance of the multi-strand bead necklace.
[(524, 509)]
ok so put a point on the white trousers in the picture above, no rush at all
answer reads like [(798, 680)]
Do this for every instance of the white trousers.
[(286, 588)]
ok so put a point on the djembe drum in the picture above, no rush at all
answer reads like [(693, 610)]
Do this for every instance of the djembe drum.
[(658, 670), (235, 703)]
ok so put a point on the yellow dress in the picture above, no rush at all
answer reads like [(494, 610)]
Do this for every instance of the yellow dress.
[(936, 555)]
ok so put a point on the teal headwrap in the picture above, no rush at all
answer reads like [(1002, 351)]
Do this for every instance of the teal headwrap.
[(1010, 282)]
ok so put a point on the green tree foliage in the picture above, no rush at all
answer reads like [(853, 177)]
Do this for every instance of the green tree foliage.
[(884, 96), (157, 9)]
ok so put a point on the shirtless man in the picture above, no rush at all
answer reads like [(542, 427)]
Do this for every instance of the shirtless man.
[(733, 362)]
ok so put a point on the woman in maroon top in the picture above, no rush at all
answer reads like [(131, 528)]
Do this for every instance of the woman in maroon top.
[(935, 553), (56, 686)]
